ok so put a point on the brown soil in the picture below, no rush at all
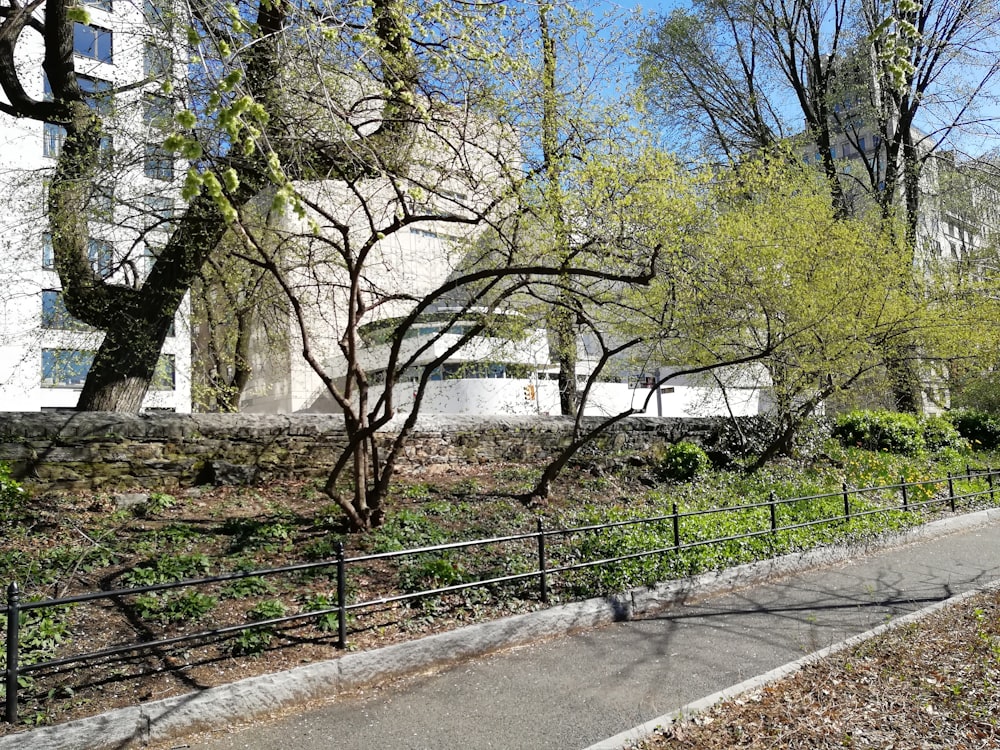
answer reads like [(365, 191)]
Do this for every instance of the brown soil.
[(934, 684), (66, 522)]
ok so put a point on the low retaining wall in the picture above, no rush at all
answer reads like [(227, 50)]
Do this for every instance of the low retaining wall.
[(100, 449)]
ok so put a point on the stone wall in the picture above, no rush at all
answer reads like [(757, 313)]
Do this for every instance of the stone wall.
[(162, 451)]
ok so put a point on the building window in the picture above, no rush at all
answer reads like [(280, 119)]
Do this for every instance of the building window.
[(101, 254), (150, 252), (65, 368), (159, 163), (861, 145), (106, 152), (93, 42), (48, 254), (99, 4), (165, 374), (157, 111), (102, 203), (157, 61), (55, 314), (96, 92), (53, 137)]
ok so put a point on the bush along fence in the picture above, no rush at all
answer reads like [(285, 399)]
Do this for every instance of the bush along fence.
[(542, 564)]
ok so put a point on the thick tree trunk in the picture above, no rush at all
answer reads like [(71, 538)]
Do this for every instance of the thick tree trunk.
[(122, 370), (904, 381)]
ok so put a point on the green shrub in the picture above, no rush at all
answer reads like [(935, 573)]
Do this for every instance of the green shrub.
[(167, 569), (407, 529), (270, 535), (255, 641), (243, 588), (322, 548), (880, 431), (42, 631), (980, 428), (978, 392), (328, 622), (431, 573), (250, 642), (157, 502), (939, 433), (682, 461), (270, 609)]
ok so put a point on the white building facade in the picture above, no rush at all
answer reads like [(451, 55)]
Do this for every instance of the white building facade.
[(45, 354)]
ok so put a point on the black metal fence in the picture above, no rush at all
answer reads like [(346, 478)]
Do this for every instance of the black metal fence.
[(938, 492)]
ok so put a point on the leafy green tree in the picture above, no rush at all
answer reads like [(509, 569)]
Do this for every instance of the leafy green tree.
[(562, 93), (758, 267), (852, 83)]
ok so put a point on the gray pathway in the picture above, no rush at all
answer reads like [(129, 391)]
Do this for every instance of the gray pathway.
[(573, 691)]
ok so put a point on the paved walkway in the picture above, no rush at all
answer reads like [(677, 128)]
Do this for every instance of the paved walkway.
[(573, 691)]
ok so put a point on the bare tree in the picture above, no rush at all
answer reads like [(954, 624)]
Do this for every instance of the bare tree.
[(745, 76)]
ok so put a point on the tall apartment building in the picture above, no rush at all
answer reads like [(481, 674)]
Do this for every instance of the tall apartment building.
[(121, 61), (955, 216)]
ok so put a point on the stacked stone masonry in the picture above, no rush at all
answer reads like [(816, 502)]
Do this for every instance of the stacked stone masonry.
[(76, 450)]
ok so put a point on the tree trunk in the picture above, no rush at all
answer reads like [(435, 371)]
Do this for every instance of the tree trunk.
[(561, 320), (121, 372), (905, 384), (562, 329)]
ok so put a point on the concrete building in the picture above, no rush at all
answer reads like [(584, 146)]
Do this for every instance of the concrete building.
[(121, 61), (958, 198), (350, 235), (463, 167)]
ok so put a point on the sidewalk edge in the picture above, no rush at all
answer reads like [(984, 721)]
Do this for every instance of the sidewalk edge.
[(619, 741)]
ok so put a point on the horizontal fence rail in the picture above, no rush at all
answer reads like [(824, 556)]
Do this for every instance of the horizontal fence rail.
[(937, 492)]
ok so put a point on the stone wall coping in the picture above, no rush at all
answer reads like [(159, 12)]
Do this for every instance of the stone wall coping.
[(109, 426)]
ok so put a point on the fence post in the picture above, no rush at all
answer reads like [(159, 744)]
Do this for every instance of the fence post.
[(902, 485), (847, 502), (13, 628), (989, 481), (341, 598), (774, 516), (543, 579), (677, 528), (951, 492)]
